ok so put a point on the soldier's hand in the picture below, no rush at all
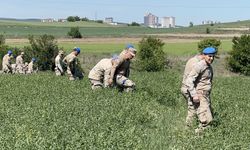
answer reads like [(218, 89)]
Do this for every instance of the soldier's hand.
[(110, 81), (196, 99)]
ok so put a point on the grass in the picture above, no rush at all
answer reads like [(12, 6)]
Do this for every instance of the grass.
[(21, 29), (43, 111), (172, 49)]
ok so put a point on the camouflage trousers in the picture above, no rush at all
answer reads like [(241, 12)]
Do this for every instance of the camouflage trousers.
[(7, 69), (74, 74), (202, 109), (124, 83), (96, 84)]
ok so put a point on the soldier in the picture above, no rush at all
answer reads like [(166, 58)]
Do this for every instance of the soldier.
[(59, 65), (20, 63), (31, 67), (121, 68), (6, 64), (196, 87), (71, 62), (100, 74)]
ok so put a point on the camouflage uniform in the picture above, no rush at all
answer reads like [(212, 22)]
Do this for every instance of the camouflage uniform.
[(120, 72), (100, 74), (31, 68), (20, 64), (6, 64), (71, 61), (59, 65), (197, 80)]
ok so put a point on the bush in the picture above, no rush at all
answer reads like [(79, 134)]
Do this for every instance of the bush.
[(239, 57), (75, 33), (207, 43), (2, 40), (151, 56), (44, 49)]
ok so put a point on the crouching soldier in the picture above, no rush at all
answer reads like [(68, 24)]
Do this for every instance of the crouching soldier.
[(20, 64), (6, 64), (71, 61), (196, 88), (100, 74), (31, 66), (121, 68), (59, 65)]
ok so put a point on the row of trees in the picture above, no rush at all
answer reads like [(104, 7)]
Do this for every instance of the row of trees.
[(150, 57)]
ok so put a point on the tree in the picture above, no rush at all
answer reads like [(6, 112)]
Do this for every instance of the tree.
[(239, 58), (74, 32), (77, 18), (71, 19), (208, 31), (2, 40), (44, 49), (209, 43), (85, 19), (191, 24), (134, 24), (151, 56)]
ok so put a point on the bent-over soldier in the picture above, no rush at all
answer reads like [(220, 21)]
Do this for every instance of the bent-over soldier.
[(121, 69), (59, 65), (100, 74), (6, 64)]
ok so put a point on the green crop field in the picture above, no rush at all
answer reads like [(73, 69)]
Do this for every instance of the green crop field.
[(42, 111), (172, 49), (22, 29)]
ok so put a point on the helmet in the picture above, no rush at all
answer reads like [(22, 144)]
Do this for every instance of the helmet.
[(33, 59), (9, 52), (209, 50), (77, 49)]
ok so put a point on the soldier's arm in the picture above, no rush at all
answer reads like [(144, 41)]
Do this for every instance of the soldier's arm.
[(115, 65), (106, 77), (191, 79)]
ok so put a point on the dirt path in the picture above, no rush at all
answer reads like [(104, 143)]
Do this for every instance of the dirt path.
[(167, 38)]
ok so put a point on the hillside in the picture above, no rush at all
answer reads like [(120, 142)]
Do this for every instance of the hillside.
[(21, 29)]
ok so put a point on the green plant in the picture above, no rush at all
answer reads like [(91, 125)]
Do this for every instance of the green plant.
[(210, 42), (74, 32), (44, 49), (239, 58), (151, 56)]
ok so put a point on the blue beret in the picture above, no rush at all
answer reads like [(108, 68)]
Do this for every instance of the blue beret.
[(77, 49), (209, 50), (129, 46), (33, 59), (9, 52)]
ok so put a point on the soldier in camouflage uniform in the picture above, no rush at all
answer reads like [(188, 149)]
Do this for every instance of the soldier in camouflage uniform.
[(121, 69), (31, 67), (71, 62), (20, 64), (59, 65), (196, 87), (100, 74), (6, 64)]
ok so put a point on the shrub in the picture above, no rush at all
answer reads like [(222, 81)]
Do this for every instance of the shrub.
[(44, 49), (151, 56), (2, 40), (207, 43), (208, 31), (239, 58), (75, 33)]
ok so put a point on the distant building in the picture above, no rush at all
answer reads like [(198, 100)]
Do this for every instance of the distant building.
[(151, 20), (48, 20), (108, 20), (168, 22), (62, 20)]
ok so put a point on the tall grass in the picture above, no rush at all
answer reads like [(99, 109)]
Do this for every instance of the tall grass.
[(43, 111)]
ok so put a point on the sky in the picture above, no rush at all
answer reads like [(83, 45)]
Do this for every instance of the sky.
[(127, 11)]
